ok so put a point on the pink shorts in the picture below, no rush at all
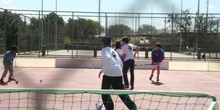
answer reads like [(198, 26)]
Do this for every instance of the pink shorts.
[(156, 65)]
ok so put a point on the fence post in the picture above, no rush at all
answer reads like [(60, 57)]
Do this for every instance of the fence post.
[(199, 54), (146, 53), (5, 31), (43, 50), (95, 52)]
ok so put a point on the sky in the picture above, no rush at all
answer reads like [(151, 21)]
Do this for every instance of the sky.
[(139, 6), (112, 5)]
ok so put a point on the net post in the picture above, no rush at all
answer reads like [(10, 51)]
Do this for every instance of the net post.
[(214, 106)]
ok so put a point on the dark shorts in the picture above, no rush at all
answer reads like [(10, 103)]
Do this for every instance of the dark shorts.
[(8, 67), (114, 82)]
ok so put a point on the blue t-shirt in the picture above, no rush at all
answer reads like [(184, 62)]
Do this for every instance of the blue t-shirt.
[(157, 55), (9, 57)]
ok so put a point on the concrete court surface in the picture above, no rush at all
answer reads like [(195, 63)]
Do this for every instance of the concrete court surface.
[(88, 79)]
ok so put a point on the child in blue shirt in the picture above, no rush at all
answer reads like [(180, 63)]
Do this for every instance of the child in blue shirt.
[(157, 56), (8, 64)]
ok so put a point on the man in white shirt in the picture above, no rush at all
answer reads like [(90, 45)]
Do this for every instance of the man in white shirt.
[(112, 70), (129, 56)]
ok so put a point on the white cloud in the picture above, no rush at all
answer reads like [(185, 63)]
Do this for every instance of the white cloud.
[(212, 6), (6, 1)]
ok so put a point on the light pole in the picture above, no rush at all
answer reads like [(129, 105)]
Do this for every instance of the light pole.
[(217, 27), (5, 31), (151, 32), (171, 50), (198, 28), (206, 31), (180, 26), (42, 24), (106, 23), (99, 8), (56, 25)]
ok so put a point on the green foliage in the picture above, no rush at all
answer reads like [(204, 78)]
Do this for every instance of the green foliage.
[(86, 30), (67, 40), (53, 17), (201, 25), (82, 29), (119, 29), (49, 28), (9, 27), (147, 29)]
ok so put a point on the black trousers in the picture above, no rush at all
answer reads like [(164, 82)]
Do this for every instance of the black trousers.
[(115, 83), (128, 64)]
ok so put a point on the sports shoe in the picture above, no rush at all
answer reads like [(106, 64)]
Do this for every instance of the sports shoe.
[(151, 76), (10, 79), (126, 87), (132, 88), (158, 79), (1, 81)]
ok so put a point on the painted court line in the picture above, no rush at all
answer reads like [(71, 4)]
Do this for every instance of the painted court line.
[(207, 76)]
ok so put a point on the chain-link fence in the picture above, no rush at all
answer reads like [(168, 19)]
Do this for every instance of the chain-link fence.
[(26, 40), (3, 30), (78, 34)]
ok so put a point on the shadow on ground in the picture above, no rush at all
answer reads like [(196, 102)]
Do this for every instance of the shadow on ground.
[(156, 83)]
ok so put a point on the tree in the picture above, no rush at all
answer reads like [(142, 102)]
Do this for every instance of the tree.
[(52, 17), (207, 31), (82, 29), (119, 29), (147, 29), (184, 24), (202, 26), (67, 40), (34, 28), (163, 31), (53, 31), (9, 28)]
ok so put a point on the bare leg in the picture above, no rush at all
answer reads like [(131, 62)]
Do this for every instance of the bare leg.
[(11, 71), (158, 71), (6, 68), (152, 73), (4, 74)]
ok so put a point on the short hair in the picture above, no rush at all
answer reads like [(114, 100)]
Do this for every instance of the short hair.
[(14, 47), (106, 41), (125, 39), (117, 45), (158, 45)]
